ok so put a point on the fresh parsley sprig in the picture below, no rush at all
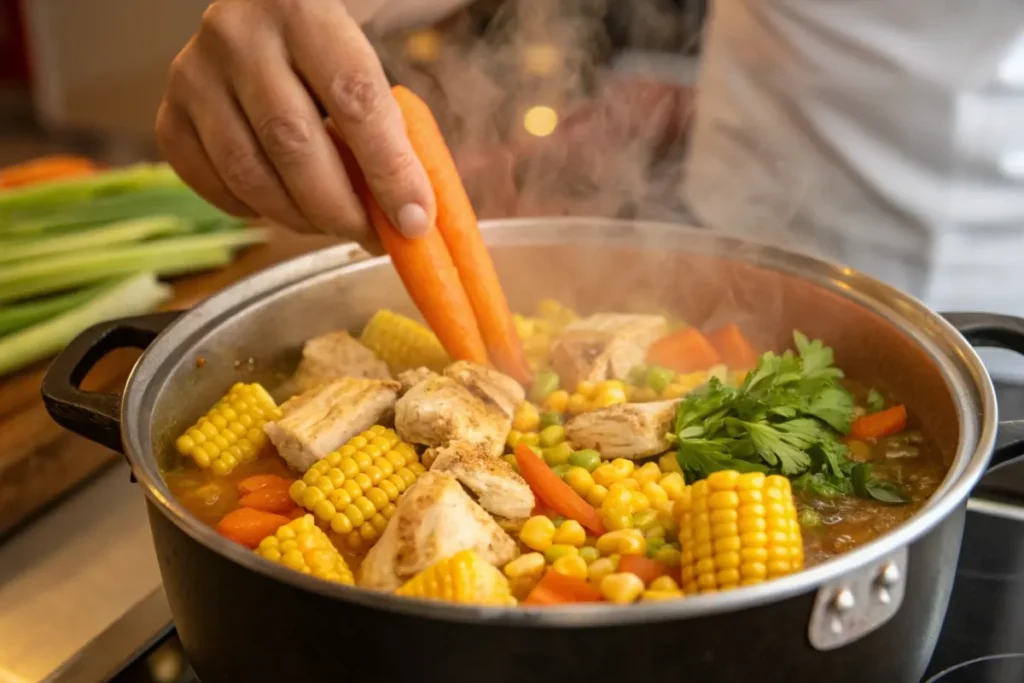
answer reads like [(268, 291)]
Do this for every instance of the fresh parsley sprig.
[(786, 418)]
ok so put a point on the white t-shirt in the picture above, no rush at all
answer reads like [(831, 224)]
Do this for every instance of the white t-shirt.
[(885, 134)]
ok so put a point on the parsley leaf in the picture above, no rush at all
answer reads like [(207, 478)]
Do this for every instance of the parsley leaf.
[(875, 401)]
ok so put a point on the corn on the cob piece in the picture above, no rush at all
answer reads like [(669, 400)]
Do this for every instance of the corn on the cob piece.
[(231, 432), (353, 490), (403, 343), (301, 545), (737, 530), (464, 578)]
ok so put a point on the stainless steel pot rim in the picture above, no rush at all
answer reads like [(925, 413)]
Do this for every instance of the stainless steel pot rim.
[(978, 422)]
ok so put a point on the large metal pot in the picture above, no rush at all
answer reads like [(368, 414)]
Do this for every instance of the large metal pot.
[(872, 615)]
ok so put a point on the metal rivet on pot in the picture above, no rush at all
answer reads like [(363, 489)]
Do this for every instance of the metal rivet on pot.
[(889, 576), (844, 601)]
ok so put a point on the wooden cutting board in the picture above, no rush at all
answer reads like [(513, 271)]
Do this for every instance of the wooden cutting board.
[(39, 461)]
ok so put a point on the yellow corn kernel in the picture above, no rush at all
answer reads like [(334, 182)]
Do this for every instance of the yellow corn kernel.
[(619, 496), (464, 578), (580, 480), (616, 516), (674, 390), (646, 520), (557, 401), (513, 438), (664, 583), (556, 551), (646, 474), (623, 467), (231, 432), (606, 475), (354, 489), (586, 389), (531, 439), (596, 495), (622, 588), (629, 483), (673, 484), (528, 565), (301, 545), (402, 343), (571, 565), (690, 381), (644, 395), (538, 533), (600, 568), (669, 463), (571, 533), (608, 393), (526, 417), (576, 404), (622, 542), (639, 503), (738, 529), (659, 596), (655, 494)]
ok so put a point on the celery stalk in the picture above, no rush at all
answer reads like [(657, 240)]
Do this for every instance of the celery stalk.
[(170, 256), (122, 232), (128, 296), (18, 316)]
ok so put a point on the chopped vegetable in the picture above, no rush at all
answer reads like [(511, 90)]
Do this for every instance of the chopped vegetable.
[(544, 385), (733, 348), (867, 486), (555, 493), (809, 518), (46, 169), (645, 568), (124, 297), (622, 588), (538, 533), (302, 546), (684, 351), (877, 425), (587, 458), (749, 534), (549, 419), (402, 343), (464, 578), (231, 432), (875, 401), (262, 481), (457, 224), (269, 500), (658, 378), (249, 527), (558, 589), (354, 489)]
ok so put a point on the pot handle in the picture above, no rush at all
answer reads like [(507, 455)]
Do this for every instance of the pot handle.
[(1004, 332), (93, 414)]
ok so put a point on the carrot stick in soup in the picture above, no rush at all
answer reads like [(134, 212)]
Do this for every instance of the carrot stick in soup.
[(262, 481), (558, 589), (883, 423), (733, 348), (269, 499), (248, 526), (684, 351), (457, 223), (555, 493)]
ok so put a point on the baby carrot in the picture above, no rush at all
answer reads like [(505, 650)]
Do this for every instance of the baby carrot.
[(733, 348), (248, 526), (457, 223), (269, 499), (883, 423), (684, 351), (262, 481)]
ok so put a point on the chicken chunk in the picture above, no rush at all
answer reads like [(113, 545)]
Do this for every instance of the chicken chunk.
[(496, 485), (490, 386), (439, 410), (322, 419), (604, 346), (626, 430), (335, 355), (411, 378), (435, 519)]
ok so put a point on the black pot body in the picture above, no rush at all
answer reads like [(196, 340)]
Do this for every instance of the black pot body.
[(239, 625)]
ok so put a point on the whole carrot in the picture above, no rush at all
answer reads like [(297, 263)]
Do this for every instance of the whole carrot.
[(248, 526), (457, 223)]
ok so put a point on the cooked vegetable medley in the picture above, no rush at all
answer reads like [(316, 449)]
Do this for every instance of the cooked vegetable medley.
[(646, 460)]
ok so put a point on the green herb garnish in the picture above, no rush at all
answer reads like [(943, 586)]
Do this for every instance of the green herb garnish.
[(875, 401), (787, 418)]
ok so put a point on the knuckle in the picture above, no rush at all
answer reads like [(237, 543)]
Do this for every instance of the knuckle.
[(244, 172), (358, 96), (223, 23), (286, 137), (181, 79)]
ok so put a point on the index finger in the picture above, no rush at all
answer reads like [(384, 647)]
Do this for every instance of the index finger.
[(343, 71)]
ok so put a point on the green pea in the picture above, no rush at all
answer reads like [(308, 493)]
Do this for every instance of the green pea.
[(549, 420), (809, 517), (638, 374), (558, 521), (654, 545), (658, 378), (560, 470), (587, 458), (589, 553), (552, 435), (558, 455), (546, 383)]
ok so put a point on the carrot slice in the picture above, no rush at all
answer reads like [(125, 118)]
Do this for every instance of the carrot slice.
[(45, 169), (684, 351), (883, 423), (248, 526), (262, 481), (733, 348), (457, 223), (268, 499), (558, 589), (644, 567), (433, 283), (555, 493)]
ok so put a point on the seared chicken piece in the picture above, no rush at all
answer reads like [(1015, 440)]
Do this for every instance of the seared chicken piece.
[(488, 385), (335, 355), (496, 485), (626, 430), (604, 346), (411, 378), (322, 419), (439, 410), (435, 519)]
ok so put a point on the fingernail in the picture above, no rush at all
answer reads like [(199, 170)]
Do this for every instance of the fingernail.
[(412, 220)]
